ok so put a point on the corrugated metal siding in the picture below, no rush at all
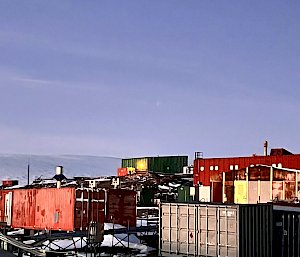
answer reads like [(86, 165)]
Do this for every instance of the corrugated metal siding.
[(162, 164), (89, 206), (286, 234), (6, 206), (263, 230), (168, 164), (223, 164), (255, 230), (199, 230), (137, 163), (2, 202), (54, 209), (23, 208), (121, 207)]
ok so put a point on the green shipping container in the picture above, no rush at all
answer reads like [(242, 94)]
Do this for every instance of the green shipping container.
[(159, 164), (184, 194), (147, 197)]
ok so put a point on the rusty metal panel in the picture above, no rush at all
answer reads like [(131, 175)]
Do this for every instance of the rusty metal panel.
[(23, 214), (203, 176), (89, 206), (121, 207), (216, 195), (55, 209), (4, 212), (2, 200), (277, 190), (289, 190), (97, 206)]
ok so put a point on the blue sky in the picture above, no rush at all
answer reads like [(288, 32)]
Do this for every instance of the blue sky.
[(139, 78)]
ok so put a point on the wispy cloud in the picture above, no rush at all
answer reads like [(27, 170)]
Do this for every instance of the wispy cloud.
[(34, 83), (37, 81), (31, 82)]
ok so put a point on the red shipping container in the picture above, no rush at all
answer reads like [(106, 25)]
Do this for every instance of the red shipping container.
[(55, 209), (23, 208), (89, 206), (5, 205), (9, 183), (2, 203), (66, 209), (122, 172), (121, 207)]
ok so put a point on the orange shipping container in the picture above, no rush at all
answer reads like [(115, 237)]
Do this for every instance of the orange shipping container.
[(122, 172), (66, 209)]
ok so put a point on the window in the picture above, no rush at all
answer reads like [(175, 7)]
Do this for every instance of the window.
[(211, 167), (231, 167), (202, 168), (216, 167)]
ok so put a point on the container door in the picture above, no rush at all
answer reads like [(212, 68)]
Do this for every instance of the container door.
[(178, 232), (81, 209), (286, 234), (198, 230), (241, 192), (8, 205), (217, 231), (216, 193)]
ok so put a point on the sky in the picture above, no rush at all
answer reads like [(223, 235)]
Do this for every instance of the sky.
[(146, 78)]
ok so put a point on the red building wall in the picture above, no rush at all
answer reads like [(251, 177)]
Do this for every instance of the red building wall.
[(207, 170)]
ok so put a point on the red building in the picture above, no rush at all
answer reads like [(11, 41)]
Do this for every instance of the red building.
[(208, 171)]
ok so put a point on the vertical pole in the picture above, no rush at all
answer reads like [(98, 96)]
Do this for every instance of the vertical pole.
[(128, 232), (212, 191), (271, 183), (247, 184), (28, 173), (113, 236), (223, 186), (296, 187), (283, 187)]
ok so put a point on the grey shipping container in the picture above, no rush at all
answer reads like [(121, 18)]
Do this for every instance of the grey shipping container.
[(263, 230)]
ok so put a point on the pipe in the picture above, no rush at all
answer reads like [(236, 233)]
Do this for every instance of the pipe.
[(266, 148), (59, 171)]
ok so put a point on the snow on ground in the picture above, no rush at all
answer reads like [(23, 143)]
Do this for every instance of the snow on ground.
[(16, 232), (117, 240)]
